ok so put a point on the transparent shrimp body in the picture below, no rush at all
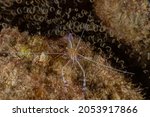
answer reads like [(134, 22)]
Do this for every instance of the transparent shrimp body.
[(73, 53)]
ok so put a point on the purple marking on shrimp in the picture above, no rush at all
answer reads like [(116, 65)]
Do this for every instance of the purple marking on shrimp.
[(70, 36), (70, 39)]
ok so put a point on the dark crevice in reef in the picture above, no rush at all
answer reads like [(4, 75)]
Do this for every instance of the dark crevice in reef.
[(126, 54), (121, 52), (16, 15), (132, 65)]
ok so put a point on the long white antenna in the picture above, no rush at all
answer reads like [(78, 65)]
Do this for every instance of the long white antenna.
[(108, 67), (84, 27)]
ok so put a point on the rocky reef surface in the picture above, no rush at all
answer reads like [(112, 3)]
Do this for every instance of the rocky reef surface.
[(113, 33)]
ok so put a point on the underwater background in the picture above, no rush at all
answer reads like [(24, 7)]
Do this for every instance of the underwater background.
[(114, 41)]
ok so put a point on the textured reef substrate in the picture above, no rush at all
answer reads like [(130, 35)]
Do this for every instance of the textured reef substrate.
[(31, 68), (123, 43)]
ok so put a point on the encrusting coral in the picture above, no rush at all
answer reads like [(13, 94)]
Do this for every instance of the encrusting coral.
[(129, 22), (30, 68), (120, 33)]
